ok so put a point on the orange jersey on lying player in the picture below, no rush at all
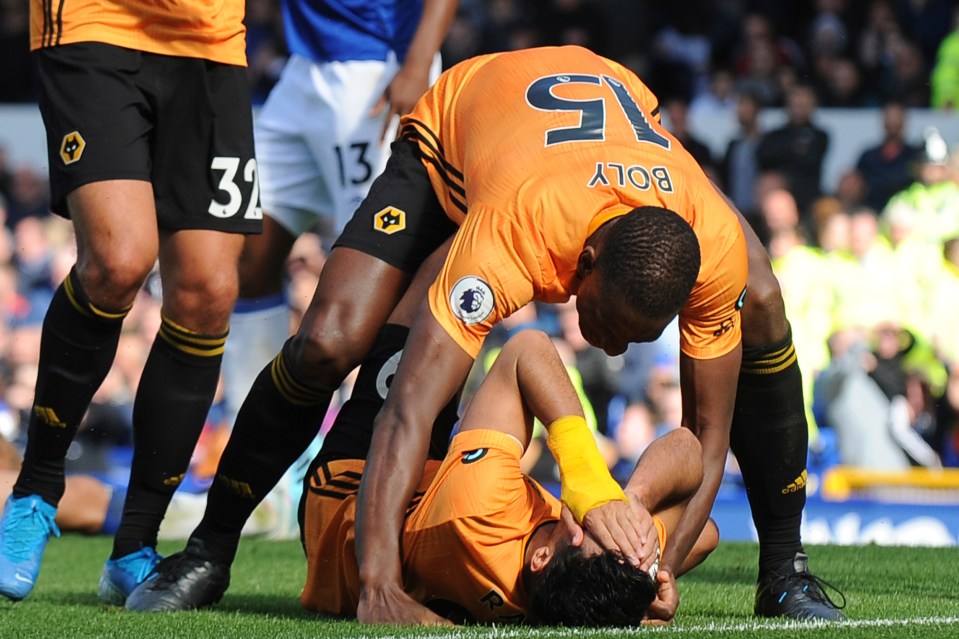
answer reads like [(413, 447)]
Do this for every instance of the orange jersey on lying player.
[(208, 29), (464, 540), (531, 152)]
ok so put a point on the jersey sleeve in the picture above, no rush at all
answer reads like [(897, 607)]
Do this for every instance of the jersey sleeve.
[(491, 271), (710, 321), (479, 485)]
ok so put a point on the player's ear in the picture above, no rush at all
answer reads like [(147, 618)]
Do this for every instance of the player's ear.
[(540, 558), (586, 261)]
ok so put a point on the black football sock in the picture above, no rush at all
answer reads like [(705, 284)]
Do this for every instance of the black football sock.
[(77, 348), (770, 439), (171, 407), (279, 418), (352, 430)]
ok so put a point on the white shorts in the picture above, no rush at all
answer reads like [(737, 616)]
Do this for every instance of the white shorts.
[(317, 148)]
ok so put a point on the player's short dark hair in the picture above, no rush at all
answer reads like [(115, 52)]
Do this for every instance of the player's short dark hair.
[(651, 259), (602, 590)]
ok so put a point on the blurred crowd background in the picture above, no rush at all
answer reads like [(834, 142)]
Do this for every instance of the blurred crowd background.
[(869, 269)]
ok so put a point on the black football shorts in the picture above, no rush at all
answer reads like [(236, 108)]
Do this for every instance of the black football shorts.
[(183, 124), (401, 220)]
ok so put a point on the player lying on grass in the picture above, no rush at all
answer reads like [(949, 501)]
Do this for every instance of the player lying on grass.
[(482, 541)]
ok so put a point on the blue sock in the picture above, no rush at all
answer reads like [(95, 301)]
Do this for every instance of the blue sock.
[(114, 510)]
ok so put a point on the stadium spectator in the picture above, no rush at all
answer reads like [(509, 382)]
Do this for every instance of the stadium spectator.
[(634, 431), (831, 227), (877, 40), (779, 214), (720, 98), (866, 290), (577, 22), (740, 168), (944, 81), (926, 23), (908, 79), (852, 404), (265, 46), (842, 86), (796, 150), (944, 304), (598, 372), (28, 196), (676, 110), (851, 189), (828, 34), (933, 198), (887, 167), (465, 36), (762, 54), (17, 82), (679, 59)]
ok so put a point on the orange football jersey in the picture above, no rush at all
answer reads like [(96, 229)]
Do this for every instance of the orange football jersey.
[(208, 29), (532, 151), (465, 535)]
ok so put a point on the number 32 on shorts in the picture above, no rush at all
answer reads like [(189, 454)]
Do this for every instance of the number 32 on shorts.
[(228, 184)]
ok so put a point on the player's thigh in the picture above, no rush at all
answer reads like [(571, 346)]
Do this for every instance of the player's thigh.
[(354, 297), (295, 190), (117, 241), (204, 174), (764, 313), (98, 125), (97, 117), (351, 149), (395, 230)]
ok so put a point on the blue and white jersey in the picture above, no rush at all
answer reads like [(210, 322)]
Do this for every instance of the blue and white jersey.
[(345, 30)]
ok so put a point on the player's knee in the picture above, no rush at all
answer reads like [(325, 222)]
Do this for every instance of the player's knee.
[(327, 350), (709, 539), (527, 341), (764, 312), (112, 282), (202, 303)]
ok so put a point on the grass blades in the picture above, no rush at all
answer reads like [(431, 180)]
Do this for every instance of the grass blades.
[(892, 592)]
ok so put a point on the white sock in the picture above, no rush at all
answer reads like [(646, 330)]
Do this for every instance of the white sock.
[(258, 329)]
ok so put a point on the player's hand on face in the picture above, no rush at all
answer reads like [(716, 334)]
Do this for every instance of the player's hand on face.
[(569, 520), (651, 550), (664, 606), (401, 95), (626, 527), (393, 606)]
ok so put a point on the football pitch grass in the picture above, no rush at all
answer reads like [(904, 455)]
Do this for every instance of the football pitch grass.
[(891, 592)]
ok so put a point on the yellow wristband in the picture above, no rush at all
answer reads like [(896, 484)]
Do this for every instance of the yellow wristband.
[(585, 481)]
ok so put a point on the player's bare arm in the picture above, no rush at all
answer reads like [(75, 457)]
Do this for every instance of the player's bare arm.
[(709, 394), (428, 376), (413, 78), (527, 380)]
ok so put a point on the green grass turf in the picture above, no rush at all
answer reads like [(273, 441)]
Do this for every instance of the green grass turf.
[(891, 592)]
